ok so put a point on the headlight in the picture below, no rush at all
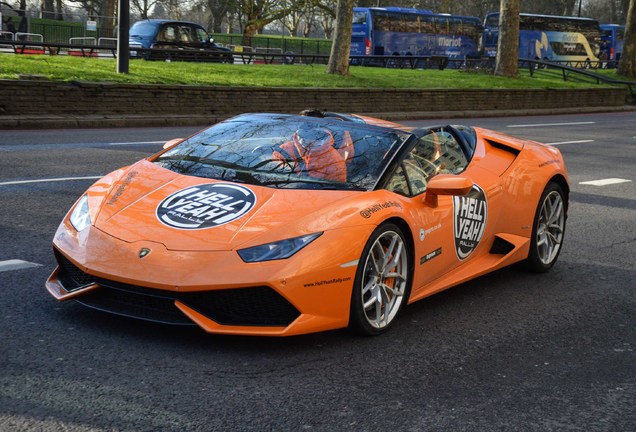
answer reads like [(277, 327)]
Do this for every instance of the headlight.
[(81, 218), (277, 250)]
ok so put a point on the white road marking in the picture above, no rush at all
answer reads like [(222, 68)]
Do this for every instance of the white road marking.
[(136, 143), (550, 124), (49, 180), (16, 264), (570, 142), (605, 182)]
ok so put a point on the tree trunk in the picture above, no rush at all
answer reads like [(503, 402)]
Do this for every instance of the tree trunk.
[(508, 42), (339, 56), (107, 17), (627, 64), (248, 32), (59, 10), (48, 9)]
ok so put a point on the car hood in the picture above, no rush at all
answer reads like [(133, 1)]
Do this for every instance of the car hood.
[(148, 202)]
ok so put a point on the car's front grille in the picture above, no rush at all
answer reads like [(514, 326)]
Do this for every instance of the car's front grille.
[(255, 306), (252, 306), (135, 304), (69, 275)]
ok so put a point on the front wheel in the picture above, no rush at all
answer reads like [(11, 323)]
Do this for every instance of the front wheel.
[(382, 284), (548, 229)]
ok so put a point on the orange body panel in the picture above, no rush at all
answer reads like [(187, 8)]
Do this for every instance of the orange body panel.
[(317, 281)]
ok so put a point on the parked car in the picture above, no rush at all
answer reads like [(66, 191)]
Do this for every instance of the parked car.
[(271, 224), (181, 40)]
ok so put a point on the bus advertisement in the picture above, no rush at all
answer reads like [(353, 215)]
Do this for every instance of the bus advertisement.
[(612, 36), (413, 32), (547, 37)]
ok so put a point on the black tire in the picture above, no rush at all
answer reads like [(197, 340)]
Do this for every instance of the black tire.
[(392, 285), (548, 229)]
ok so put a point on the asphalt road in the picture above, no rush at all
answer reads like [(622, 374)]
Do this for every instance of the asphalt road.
[(508, 351)]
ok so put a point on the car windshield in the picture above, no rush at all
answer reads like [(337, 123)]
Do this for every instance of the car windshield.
[(287, 152), (143, 28)]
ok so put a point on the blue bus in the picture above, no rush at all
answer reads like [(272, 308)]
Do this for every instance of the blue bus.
[(612, 36), (416, 32), (547, 37)]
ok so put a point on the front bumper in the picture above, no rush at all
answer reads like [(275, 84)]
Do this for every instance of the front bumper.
[(214, 290)]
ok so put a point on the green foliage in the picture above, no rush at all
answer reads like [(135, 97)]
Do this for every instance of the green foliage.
[(64, 68)]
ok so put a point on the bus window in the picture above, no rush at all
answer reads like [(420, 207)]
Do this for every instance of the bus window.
[(492, 22), (441, 25), (359, 18), (427, 24), (472, 28), (455, 27), (412, 24)]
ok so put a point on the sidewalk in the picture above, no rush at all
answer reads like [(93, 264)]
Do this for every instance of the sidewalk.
[(116, 121)]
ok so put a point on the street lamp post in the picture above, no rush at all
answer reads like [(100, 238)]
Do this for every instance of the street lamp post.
[(123, 23)]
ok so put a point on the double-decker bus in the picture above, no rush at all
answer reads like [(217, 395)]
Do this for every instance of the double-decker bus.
[(547, 37), (416, 32), (612, 36)]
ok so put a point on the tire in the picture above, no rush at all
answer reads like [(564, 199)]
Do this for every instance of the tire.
[(548, 230), (384, 289)]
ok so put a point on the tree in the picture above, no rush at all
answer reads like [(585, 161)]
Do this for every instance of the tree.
[(218, 10), (20, 9), (339, 56), (327, 17), (627, 64), (143, 7), (508, 44), (47, 9), (259, 13), (59, 10)]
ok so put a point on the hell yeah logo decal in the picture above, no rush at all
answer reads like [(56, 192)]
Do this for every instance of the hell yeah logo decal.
[(205, 206), (470, 213)]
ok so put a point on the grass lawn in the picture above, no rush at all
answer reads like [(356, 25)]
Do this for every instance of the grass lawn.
[(63, 68)]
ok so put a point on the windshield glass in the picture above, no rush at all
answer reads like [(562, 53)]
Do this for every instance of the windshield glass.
[(143, 28), (287, 152)]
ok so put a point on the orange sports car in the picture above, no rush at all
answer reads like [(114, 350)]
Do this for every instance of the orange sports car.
[(270, 224)]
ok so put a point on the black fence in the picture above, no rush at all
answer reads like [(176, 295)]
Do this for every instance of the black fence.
[(273, 44)]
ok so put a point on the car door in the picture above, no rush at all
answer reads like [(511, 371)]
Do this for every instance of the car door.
[(434, 228)]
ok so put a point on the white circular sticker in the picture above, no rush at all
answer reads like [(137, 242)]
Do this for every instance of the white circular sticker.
[(205, 206)]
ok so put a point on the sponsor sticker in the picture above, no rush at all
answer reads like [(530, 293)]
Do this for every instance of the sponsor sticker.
[(470, 215), (367, 212), (122, 187), (205, 206), (429, 256), (425, 232)]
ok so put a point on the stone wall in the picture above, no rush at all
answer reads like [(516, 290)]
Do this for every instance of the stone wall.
[(46, 98)]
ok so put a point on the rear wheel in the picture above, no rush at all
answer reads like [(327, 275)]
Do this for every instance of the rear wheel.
[(382, 282), (548, 229)]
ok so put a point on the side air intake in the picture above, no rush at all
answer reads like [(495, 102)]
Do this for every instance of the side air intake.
[(501, 247)]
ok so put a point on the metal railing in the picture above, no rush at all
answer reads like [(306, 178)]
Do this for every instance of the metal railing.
[(572, 73), (285, 44)]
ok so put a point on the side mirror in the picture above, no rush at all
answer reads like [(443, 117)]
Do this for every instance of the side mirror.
[(172, 143), (446, 184)]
